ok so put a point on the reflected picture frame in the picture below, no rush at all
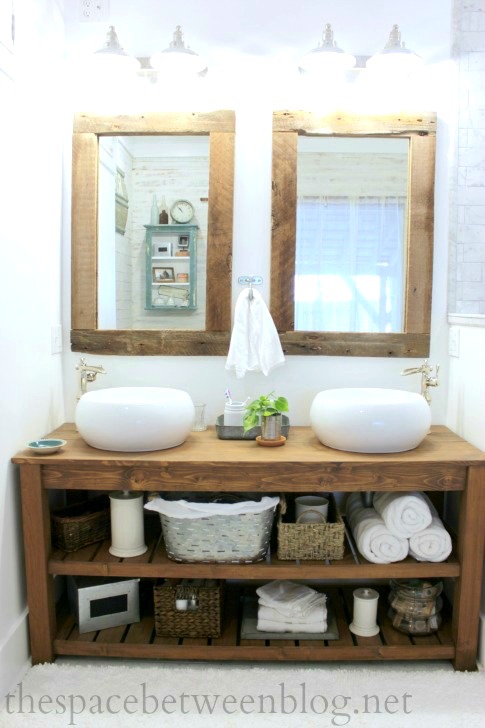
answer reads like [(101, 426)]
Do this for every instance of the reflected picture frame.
[(161, 274)]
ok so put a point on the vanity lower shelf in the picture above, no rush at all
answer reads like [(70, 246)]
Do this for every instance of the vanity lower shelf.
[(95, 560), (140, 641)]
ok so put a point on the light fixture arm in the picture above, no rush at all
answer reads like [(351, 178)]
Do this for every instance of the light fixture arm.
[(112, 40), (394, 38), (178, 38)]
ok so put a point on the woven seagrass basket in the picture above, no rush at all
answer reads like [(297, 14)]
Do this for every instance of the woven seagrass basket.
[(204, 620), (81, 524), (311, 541)]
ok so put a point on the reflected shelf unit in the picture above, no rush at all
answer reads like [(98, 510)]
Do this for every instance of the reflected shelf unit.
[(442, 463), (171, 280)]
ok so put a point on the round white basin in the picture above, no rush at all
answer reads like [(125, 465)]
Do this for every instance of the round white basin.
[(370, 419), (135, 419)]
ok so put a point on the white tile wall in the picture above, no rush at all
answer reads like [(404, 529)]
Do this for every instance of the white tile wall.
[(467, 238)]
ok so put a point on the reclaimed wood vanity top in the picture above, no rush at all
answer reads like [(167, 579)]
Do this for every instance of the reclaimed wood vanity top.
[(441, 445)]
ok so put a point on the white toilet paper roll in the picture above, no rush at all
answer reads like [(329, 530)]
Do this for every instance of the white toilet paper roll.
[(127, 531)]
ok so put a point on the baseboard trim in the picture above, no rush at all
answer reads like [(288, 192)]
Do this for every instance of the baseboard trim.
[(14, 655)]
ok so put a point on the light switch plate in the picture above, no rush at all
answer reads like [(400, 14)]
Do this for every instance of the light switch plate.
[(56, 339), (454, 341)]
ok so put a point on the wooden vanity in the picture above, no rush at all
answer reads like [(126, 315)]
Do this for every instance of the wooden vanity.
[(443, 462)]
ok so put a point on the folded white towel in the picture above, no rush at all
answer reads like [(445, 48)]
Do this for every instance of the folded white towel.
[(403, 513), (294, 601), (255, 345), (317, 614), (373, 539), (265, 625)]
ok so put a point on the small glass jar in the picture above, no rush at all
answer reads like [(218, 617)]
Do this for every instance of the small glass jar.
[(415, 605)]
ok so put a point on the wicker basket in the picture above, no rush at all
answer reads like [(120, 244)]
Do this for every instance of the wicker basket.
[(81, 524), (202, 621), (311, 541), (231, 539)]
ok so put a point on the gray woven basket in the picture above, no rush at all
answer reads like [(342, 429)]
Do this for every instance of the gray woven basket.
[(231, 539)]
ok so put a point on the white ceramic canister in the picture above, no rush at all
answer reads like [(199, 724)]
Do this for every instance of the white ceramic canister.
[(234, 414), (365, 612), (127, 530)]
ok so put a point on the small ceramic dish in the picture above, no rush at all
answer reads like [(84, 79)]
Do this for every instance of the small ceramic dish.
[(46, 447)]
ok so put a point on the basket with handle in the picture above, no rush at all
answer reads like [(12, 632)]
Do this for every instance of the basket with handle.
[(311, 541)]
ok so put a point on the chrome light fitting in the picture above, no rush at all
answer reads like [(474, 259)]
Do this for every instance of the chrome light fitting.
[(112, 57), (394, 57), (327, 56), (178, 58)]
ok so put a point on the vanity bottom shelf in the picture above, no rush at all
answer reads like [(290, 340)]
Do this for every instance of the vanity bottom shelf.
[(140, 641)]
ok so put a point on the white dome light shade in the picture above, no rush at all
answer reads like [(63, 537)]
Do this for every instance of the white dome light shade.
[(178, 58), (394, 57), (327, 56), (112, 57)]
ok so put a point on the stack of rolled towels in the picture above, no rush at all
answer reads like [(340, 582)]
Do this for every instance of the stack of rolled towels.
[(285, 606), (398, 524)]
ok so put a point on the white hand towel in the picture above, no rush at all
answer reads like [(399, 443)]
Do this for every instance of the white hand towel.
[(373, 539), (184, 509), (255, 345), (434, 542), (292, 600), (403, 513), (266, 625), (317, 614)]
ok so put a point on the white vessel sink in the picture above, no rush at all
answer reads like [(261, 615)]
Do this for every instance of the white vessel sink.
[(135, 419), (370, 419)]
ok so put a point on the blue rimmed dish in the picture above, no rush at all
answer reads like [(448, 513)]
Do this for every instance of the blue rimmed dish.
[(47, 446)]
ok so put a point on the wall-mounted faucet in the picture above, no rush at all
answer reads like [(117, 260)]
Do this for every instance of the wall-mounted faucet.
[(427, 378), (88, 373)]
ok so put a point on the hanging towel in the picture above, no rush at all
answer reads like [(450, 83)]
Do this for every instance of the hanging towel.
[(255, 344), (403, 513), (293, 601), (372, 537), (434, 542)]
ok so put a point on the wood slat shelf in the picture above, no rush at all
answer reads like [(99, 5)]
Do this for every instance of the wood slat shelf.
[(139, 640), (95, 560)]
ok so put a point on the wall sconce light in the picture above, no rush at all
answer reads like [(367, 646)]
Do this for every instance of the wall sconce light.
[(327, 57), (178, 58), (112, 58), (394, 57)]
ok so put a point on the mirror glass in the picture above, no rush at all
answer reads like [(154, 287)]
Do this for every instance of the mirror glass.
[(138, 178), (351, 229)]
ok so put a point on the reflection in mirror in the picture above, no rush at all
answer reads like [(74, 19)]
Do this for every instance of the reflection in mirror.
[(351, 264), (156, 172), (350, 234), (197, 324)]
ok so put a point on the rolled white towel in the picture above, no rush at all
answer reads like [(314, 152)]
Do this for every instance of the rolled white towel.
[(432, 544), (403, 513), (373, 539), (290, 599), (317, 615), (266, 625)]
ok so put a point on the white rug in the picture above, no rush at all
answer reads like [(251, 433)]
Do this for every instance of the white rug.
[(93, 693)]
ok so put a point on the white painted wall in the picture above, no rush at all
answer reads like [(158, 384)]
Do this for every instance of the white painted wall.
[(31, 398), (466, 401)]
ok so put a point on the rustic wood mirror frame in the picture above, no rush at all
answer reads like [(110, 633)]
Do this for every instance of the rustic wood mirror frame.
[(85, 336), (421, 131)]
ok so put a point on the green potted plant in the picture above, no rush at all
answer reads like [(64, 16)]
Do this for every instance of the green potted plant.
[(267, 410)]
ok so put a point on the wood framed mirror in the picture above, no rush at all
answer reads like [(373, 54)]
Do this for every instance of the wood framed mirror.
[(413, 337), (86, 336)]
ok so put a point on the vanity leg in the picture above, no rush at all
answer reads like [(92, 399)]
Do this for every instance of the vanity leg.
[(471, 546), (37, 544)]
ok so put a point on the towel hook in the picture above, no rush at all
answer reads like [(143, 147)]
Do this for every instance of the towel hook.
[(250, 281)]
